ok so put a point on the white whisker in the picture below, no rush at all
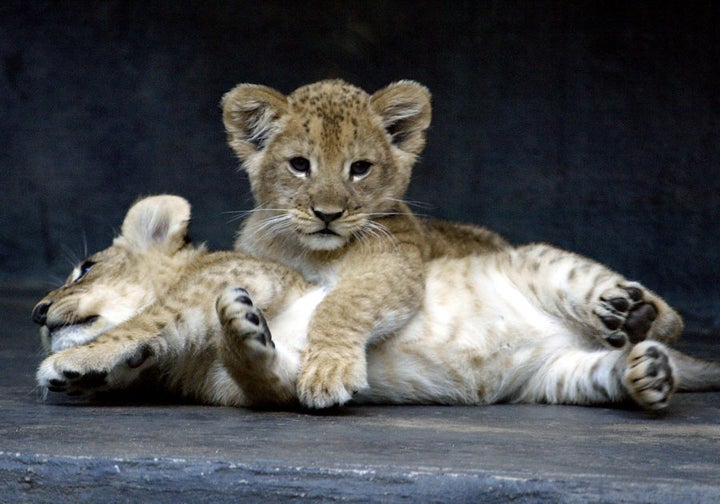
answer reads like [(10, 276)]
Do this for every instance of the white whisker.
[(374, 231), (274, 226), (85, 244), (241, 214), (413, 203), (70, 255), (54, 282)]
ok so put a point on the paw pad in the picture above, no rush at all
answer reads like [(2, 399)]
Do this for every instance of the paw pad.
[(650, 376), (252, 318), (243, 297), (242, 321), (626, 315)]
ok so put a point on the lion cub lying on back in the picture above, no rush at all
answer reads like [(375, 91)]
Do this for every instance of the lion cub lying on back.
[(532, 324)]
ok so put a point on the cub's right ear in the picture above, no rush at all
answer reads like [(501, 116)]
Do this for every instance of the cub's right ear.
[(250, 114), (159, 222)]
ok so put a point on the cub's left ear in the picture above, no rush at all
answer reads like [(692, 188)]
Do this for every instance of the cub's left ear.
[(250, 114), (159, 222), (404, 107)]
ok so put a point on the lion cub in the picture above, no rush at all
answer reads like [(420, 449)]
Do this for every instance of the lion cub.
[(527, 324), (329, 166)]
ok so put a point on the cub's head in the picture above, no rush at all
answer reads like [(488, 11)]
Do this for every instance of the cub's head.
[(326, 160), (115, 284)]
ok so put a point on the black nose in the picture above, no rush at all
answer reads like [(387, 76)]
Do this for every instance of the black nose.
[(327, 218), (39, 313)]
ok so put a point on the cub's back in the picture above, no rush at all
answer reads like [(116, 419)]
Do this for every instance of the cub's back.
[(455, 239)]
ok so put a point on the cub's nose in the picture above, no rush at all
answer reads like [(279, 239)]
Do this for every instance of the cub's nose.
[(39, 313), (327, 218)]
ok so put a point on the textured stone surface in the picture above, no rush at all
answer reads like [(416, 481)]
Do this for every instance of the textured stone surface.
[(128, 450), (591, 126)]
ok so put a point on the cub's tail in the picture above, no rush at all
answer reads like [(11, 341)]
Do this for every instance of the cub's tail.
[(695, 375)]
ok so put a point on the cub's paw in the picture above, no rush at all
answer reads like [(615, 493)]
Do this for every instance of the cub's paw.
[(244, 325), (328, 379), (94, 367), (650, 377), (626, 314)]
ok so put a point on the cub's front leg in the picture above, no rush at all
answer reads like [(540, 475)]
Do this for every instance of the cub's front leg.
[(375, 295), (589, 296), (113, 361), (162, 335)]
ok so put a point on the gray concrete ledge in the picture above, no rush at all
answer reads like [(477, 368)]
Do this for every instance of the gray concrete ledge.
[(38, 479)]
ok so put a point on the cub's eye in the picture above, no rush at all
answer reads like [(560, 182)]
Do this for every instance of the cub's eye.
[(85, 268), (300, 165), (359, 169)]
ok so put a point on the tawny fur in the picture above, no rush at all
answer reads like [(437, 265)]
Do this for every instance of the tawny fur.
[(329, 165), (527, 324)]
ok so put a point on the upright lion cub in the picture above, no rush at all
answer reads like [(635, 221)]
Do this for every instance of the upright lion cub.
[(328, 166)]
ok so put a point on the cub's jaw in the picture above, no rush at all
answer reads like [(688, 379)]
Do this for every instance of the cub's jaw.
[(56, 338), (325, 236)]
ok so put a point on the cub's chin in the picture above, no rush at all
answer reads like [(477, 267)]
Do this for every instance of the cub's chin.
[(322, 241)]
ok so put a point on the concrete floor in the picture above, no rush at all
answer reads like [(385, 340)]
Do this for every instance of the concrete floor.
[(125, 450)]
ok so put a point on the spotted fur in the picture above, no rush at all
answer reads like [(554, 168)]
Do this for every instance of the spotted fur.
[(526, 324)]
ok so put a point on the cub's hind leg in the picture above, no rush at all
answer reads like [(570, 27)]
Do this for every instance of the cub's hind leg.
[(249, 353), (650, 374), (628, 312), (644, 373), (595, 300)]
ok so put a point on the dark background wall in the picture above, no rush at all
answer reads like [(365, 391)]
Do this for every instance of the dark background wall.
[(591, 125)]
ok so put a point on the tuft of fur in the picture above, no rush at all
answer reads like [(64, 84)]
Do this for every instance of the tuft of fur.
[(525, 324)]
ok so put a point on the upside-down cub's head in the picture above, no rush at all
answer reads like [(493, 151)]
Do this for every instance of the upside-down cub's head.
[(327, 159), (115, 284)]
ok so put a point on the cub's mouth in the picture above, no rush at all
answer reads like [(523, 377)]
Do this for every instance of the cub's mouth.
[(62, 335), (59, 326), (325, 231)]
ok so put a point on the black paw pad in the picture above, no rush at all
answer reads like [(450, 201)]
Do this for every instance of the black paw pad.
[(264, 338), (243, 299), (652, 370), (620, 304), (56, 385), (611, 322), (243, 296), (92, 379), (616, 340), (252, 318), (652, 353), (634, 293), (71, 375), (639, 321)]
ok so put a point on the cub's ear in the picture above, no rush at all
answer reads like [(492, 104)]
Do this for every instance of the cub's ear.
[(404, 107), (159, 222), (250, 114)]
